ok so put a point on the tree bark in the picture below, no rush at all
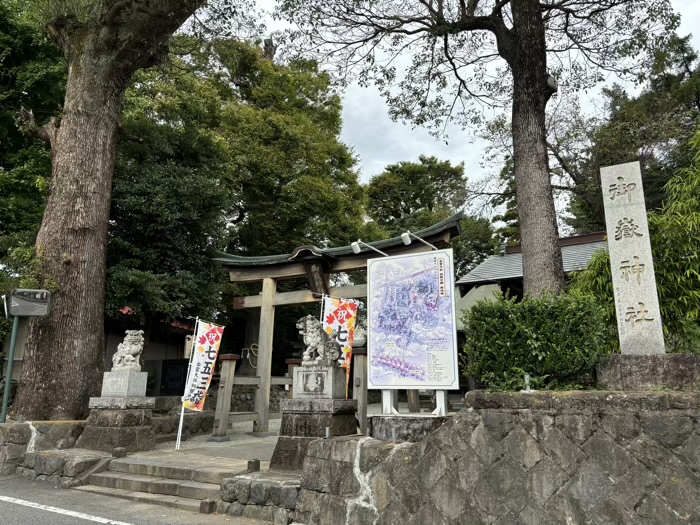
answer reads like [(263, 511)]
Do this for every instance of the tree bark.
[(63, 358), (542, 263)]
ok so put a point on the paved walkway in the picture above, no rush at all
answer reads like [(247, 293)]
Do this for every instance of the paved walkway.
[(244, 445)]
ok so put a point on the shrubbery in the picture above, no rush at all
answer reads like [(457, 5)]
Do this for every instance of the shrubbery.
[(557, 340)]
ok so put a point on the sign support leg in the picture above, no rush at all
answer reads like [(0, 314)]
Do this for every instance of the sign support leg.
[(441, 403), (390, 402)]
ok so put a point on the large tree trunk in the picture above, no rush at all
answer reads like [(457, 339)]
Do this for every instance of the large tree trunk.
[(63, 357), (542, 263), (64, 352)]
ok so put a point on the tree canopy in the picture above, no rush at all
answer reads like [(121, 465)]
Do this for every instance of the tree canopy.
[(454, 51), (415, 195)]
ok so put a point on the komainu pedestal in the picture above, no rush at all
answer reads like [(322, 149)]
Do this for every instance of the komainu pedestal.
[(679, 372), (319, 408), (123, 422), (304, 420), (121, 416), (319, 382)]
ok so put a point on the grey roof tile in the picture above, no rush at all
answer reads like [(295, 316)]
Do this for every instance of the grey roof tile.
[(502, 267)]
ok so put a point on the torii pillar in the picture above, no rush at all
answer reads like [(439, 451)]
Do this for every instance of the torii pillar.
[(265, 337)]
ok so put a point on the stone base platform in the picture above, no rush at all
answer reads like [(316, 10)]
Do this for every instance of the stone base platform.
[(650, 372), (119, 422), (65, 468), (264, 496), (409, 428), (304, 420), (319, 382), (126, 382)]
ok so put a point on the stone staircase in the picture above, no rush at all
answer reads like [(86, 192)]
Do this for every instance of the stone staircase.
[(188, 483)]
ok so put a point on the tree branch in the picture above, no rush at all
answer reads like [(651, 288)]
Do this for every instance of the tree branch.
[(564, 164), (27, 123), (117, 9)]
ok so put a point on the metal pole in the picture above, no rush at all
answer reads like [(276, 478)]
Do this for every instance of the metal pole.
[(10, 363)]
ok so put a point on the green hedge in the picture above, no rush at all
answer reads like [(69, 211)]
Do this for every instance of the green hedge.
[(557, 340)]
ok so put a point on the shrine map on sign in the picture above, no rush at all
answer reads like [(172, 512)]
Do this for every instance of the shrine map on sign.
[(411, 321)]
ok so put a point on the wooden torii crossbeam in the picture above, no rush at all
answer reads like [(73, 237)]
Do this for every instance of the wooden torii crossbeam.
[(316, 264)]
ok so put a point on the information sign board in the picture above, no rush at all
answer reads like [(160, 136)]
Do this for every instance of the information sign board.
[(411, 330)]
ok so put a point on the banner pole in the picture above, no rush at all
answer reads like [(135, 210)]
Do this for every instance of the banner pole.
[(187, 382)]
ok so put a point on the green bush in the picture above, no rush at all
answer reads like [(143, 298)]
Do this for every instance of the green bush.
[(557, 340)]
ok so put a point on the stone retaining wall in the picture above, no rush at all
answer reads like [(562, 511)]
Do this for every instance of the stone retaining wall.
[(603, 458), (243, 398), (64, 468), (14, 438), (194, 424), (265, 496), (19, 439)]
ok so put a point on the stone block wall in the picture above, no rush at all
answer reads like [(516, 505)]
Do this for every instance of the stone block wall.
[(265, 496), (65, 468), (243, 398), (194, 424), (593, 458), (14, 438), (20, 440)]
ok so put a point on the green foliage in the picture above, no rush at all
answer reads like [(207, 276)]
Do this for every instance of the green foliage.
[(401, 196), (222, 150), (508, 231), (654, 127), (415, 195), (45, 12), (296, 182), (32, 75), (675, 243), (557, 340)]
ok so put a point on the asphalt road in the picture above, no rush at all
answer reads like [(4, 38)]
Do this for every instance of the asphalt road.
[(27, 502)]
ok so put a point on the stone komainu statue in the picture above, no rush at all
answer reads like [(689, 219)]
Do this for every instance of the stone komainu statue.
[(129, 351), (321, 348)]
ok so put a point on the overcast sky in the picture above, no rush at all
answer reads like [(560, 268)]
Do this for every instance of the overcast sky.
[(378, 141)]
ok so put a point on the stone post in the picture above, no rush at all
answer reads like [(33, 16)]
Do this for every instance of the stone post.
[(359, 391), (223, 400), (292, 364), (643, 363)]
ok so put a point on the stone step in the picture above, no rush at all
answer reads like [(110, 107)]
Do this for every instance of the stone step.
[(156, 485), (174, 502), (157, 467)]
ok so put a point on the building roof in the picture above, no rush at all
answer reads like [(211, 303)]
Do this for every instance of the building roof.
[(576, 252), (451, 225)]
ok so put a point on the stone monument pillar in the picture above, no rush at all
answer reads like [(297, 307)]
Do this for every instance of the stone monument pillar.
[(121, 416), (642, 363), (634, 283), (319, 408)]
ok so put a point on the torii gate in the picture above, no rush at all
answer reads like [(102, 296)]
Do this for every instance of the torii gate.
[(316, 264)]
